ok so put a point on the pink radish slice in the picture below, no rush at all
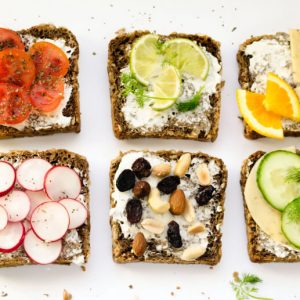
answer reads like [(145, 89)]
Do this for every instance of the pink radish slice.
[(31, 173), (36, 198), (27, 225), (17, 205), (11, 237), (39, 251), (3, 218), (50, 221), (77, 212), (7, 177), (62, 182)]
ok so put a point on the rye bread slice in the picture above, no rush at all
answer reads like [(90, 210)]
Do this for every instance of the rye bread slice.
[(118, 58), (122, 247), (64, 158), (257, 252), (72, 109), (246, 81)]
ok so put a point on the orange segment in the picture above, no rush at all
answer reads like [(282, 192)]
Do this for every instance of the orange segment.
[(281, 98), (257, 117)]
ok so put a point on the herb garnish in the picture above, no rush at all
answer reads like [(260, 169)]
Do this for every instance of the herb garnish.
[(245, 288), (293, 175), (191, 103)]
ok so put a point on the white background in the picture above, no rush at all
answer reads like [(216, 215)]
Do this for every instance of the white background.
[(94, 24)]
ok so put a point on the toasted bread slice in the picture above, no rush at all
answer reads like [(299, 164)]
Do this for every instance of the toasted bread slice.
[(76, 244), (159, 249), (40, 125), (118, 58)]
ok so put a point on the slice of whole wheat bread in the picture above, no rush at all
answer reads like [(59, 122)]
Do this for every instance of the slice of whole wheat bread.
[(118, 58), (72, 109), (122, 247), (80, 165), (256, 250)]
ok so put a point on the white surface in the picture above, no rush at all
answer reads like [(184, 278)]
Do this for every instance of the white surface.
[(94, 24)]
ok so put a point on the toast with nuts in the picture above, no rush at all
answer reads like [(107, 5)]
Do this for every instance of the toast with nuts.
[(133, 119), (167, 207)]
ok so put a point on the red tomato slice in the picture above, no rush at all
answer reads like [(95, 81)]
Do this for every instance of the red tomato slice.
[(15, 105), (16, 67), (10, 39), (49, 59), (47, 95)]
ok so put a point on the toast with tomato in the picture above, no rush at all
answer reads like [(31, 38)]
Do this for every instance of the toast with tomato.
[(39, 91)]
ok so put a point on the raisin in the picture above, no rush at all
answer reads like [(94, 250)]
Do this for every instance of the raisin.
[(126, 180), (169, 184), (141, 168), (174, 237), (141, 189), (134, 210), (205, 194)]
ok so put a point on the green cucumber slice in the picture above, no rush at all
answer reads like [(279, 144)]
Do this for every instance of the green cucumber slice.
[(271, 178), (290, 222)]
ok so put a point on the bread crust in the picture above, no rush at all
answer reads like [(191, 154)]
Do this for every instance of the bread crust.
[(121, 248), (256, 253), (73, 107), (118, 59), (56, 157)]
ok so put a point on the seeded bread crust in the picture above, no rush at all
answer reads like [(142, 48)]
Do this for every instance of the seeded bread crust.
[(72, 108), (55, 157), (257, 253), (246, 81), (121, 247), (118, 58)]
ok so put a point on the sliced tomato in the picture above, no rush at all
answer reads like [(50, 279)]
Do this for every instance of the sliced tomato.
[(15, 105), (10, 39), (49, 59), (47, 95), (16, 67)]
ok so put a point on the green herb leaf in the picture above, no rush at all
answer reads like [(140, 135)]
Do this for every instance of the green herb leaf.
[(190, 104), (159, 45), (293, 175)]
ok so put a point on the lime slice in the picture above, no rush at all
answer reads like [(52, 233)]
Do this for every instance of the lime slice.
[(187, 57), (160, 105), (145, 60)]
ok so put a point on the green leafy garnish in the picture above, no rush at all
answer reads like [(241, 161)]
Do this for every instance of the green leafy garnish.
[(191, 103), (293, 175), (159, 45), (245, 288)]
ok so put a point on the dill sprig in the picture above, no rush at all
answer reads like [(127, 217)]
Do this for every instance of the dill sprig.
[(293, 175), (191, 103)]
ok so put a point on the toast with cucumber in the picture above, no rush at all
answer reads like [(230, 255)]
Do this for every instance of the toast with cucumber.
[(271, 191), (44, 208), (165, 86)]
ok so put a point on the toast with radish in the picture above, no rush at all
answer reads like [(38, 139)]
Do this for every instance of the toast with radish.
[(39, 88), (44, 208)]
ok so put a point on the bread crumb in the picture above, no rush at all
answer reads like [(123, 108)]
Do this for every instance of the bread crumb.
[(233, 29), (67, 295), (172, 294), (4, 294), (178, 287), (235, 276), (130, 286), (120, 31)]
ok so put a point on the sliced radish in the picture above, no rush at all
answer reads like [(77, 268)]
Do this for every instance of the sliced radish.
[(39, 251), (50, 221), (27, 225), (17, 205), (3, 218), (31, 173), (7, 177), (36, 198), (62, 182), (11, 237), (77, 212)]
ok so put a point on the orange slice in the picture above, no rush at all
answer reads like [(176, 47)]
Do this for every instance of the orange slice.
[(281, 98), (257, 117)]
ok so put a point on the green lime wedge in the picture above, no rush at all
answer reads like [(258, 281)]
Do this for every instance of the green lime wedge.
[(187, 57), (160, 105), (145, 59)]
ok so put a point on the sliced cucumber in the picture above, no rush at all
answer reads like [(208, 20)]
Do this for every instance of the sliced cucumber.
[(271, 178), (290, 222)]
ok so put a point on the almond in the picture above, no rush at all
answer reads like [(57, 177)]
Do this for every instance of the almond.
[(177, 202), (66, 295), (193, 252), (196, 228), (139, 244), (182, 164), (156, 203), (154, 226), (161, 170), (203, 175), (189, 212)]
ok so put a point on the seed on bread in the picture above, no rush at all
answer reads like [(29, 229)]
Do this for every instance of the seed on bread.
[(161, 170), (139, 244), (203, 175), (177, 202), (182, 164), (196, 228)]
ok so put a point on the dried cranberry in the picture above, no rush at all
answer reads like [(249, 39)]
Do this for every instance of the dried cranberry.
[(134, 210), (126, 180), (205, 194), (141, 168), (174, 237), (169, 184), (141, 189)]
